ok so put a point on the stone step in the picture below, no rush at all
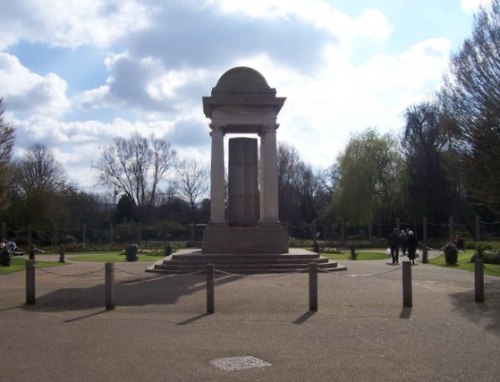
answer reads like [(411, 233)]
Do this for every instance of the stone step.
[(196, 262), (258, 257), (246, 261), (226, 266)]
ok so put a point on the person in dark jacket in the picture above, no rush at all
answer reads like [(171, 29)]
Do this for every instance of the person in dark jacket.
[(404, 242), (393, 243), (412, 246)]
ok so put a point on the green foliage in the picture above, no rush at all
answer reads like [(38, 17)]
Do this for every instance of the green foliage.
[(464, 263), (371, 179), (430, 191), (19, 264), (471, 97), (110, 257), (361, 255)]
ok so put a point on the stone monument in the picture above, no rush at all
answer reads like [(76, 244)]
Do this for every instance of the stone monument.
[(243, 103)]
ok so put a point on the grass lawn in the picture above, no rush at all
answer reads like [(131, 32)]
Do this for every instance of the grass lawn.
[(362, 255), (19, 264), (109, 257), (465, 264)]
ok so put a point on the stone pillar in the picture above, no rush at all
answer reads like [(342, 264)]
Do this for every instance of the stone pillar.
[(217, 176), (269, 176), (243, 182)]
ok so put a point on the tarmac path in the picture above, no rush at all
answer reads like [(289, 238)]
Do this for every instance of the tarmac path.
[(159, 330)]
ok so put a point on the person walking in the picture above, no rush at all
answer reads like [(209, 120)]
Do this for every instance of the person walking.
[(404, 242), (412, 243), (393, 243)]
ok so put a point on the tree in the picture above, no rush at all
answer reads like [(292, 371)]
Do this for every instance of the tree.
[(298, 186), (124, 210), (135, 166), (7, 138), (38, 172), (40, 189), (471, 96), (192, 185), (424, 139), (371, 179)]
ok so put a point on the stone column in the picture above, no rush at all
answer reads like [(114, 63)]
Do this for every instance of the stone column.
[(217, 176), (269, 176)]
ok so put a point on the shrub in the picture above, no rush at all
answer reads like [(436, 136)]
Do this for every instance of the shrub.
[(450, 254)]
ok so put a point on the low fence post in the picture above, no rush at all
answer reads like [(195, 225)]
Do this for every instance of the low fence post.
[(407, 289), (61, 253), (30, 283), (313, 287), (479, 280), (425, 255), (31, 254), (210, 289), (109, 285)]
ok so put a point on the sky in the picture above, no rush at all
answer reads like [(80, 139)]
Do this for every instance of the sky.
[(74, 74)]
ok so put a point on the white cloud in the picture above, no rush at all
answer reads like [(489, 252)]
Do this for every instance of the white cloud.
[(473, 5), (173, 52), (26, 91), (71, 23)]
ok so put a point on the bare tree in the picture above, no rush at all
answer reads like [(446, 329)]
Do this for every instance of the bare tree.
[(135, 166), (192, 185), (39, 172), (7, 137), (40, 188)]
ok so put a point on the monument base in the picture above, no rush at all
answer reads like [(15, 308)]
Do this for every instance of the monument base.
[(263, 238)]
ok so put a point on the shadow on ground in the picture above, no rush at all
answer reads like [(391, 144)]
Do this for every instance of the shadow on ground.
[(137, 292), (485, 313)]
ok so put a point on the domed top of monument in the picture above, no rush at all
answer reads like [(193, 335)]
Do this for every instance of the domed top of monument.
[(242, 89), (242, 79)]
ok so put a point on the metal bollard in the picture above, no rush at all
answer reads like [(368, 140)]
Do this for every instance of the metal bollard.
[(425, 258), (313, 287), (30, 283), (31, 254), (109, 285), (210, 289), (479, 280), (61, 254), (407, 289)]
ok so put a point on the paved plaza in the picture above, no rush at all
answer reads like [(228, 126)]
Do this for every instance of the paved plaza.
[(261, 329)]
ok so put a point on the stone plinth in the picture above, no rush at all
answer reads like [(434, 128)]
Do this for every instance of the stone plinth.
[(263, 238)]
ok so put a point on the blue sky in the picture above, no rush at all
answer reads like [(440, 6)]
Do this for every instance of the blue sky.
[(76, 73)]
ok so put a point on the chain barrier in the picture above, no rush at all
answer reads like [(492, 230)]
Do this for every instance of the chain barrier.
[(360, 275), (70, 275), (281, 274)]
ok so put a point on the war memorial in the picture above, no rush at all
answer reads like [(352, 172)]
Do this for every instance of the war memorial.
[(244, 233)]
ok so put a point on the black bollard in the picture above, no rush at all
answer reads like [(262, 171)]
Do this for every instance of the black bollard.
[(354, 255), (31, 254), (61, 254), (479, 280), (109, 285), (30, 283), (210, 289), (425, 259), (407, 289), (313, 287)]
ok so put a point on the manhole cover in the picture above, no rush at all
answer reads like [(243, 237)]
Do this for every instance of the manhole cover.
[(239, 363)]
